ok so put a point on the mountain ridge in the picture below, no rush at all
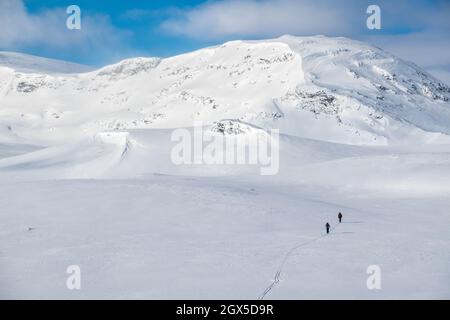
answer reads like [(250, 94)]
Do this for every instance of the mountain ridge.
[(27, 63), (332, 89)]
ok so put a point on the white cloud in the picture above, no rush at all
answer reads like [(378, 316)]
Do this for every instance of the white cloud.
[(265, 18), (47, 29)]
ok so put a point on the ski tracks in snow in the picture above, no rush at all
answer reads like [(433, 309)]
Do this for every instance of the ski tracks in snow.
[(276, 278)]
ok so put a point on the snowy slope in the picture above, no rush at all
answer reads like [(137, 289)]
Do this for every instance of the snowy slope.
[(332, 89), (31, 64), (141, 227), (87, 178)]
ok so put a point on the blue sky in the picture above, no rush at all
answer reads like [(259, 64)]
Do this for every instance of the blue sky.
[(142, 18), (416, 30)]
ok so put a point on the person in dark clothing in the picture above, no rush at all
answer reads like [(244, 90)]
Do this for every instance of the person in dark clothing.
[(340, 217), (327, 226)]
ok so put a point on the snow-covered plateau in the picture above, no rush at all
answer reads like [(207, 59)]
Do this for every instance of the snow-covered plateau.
[(87, 176)]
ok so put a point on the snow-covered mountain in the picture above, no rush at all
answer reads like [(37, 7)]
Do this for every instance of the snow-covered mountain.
[(332, 89), (87, 176)]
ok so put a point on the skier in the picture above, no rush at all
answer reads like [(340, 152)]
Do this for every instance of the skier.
[(328, 227), (340, 217)]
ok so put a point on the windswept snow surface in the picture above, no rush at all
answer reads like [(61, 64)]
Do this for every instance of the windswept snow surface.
[(30, 64), (87, 177)]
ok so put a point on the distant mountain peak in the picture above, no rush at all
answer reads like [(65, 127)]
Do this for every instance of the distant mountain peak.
[(21, 62)]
